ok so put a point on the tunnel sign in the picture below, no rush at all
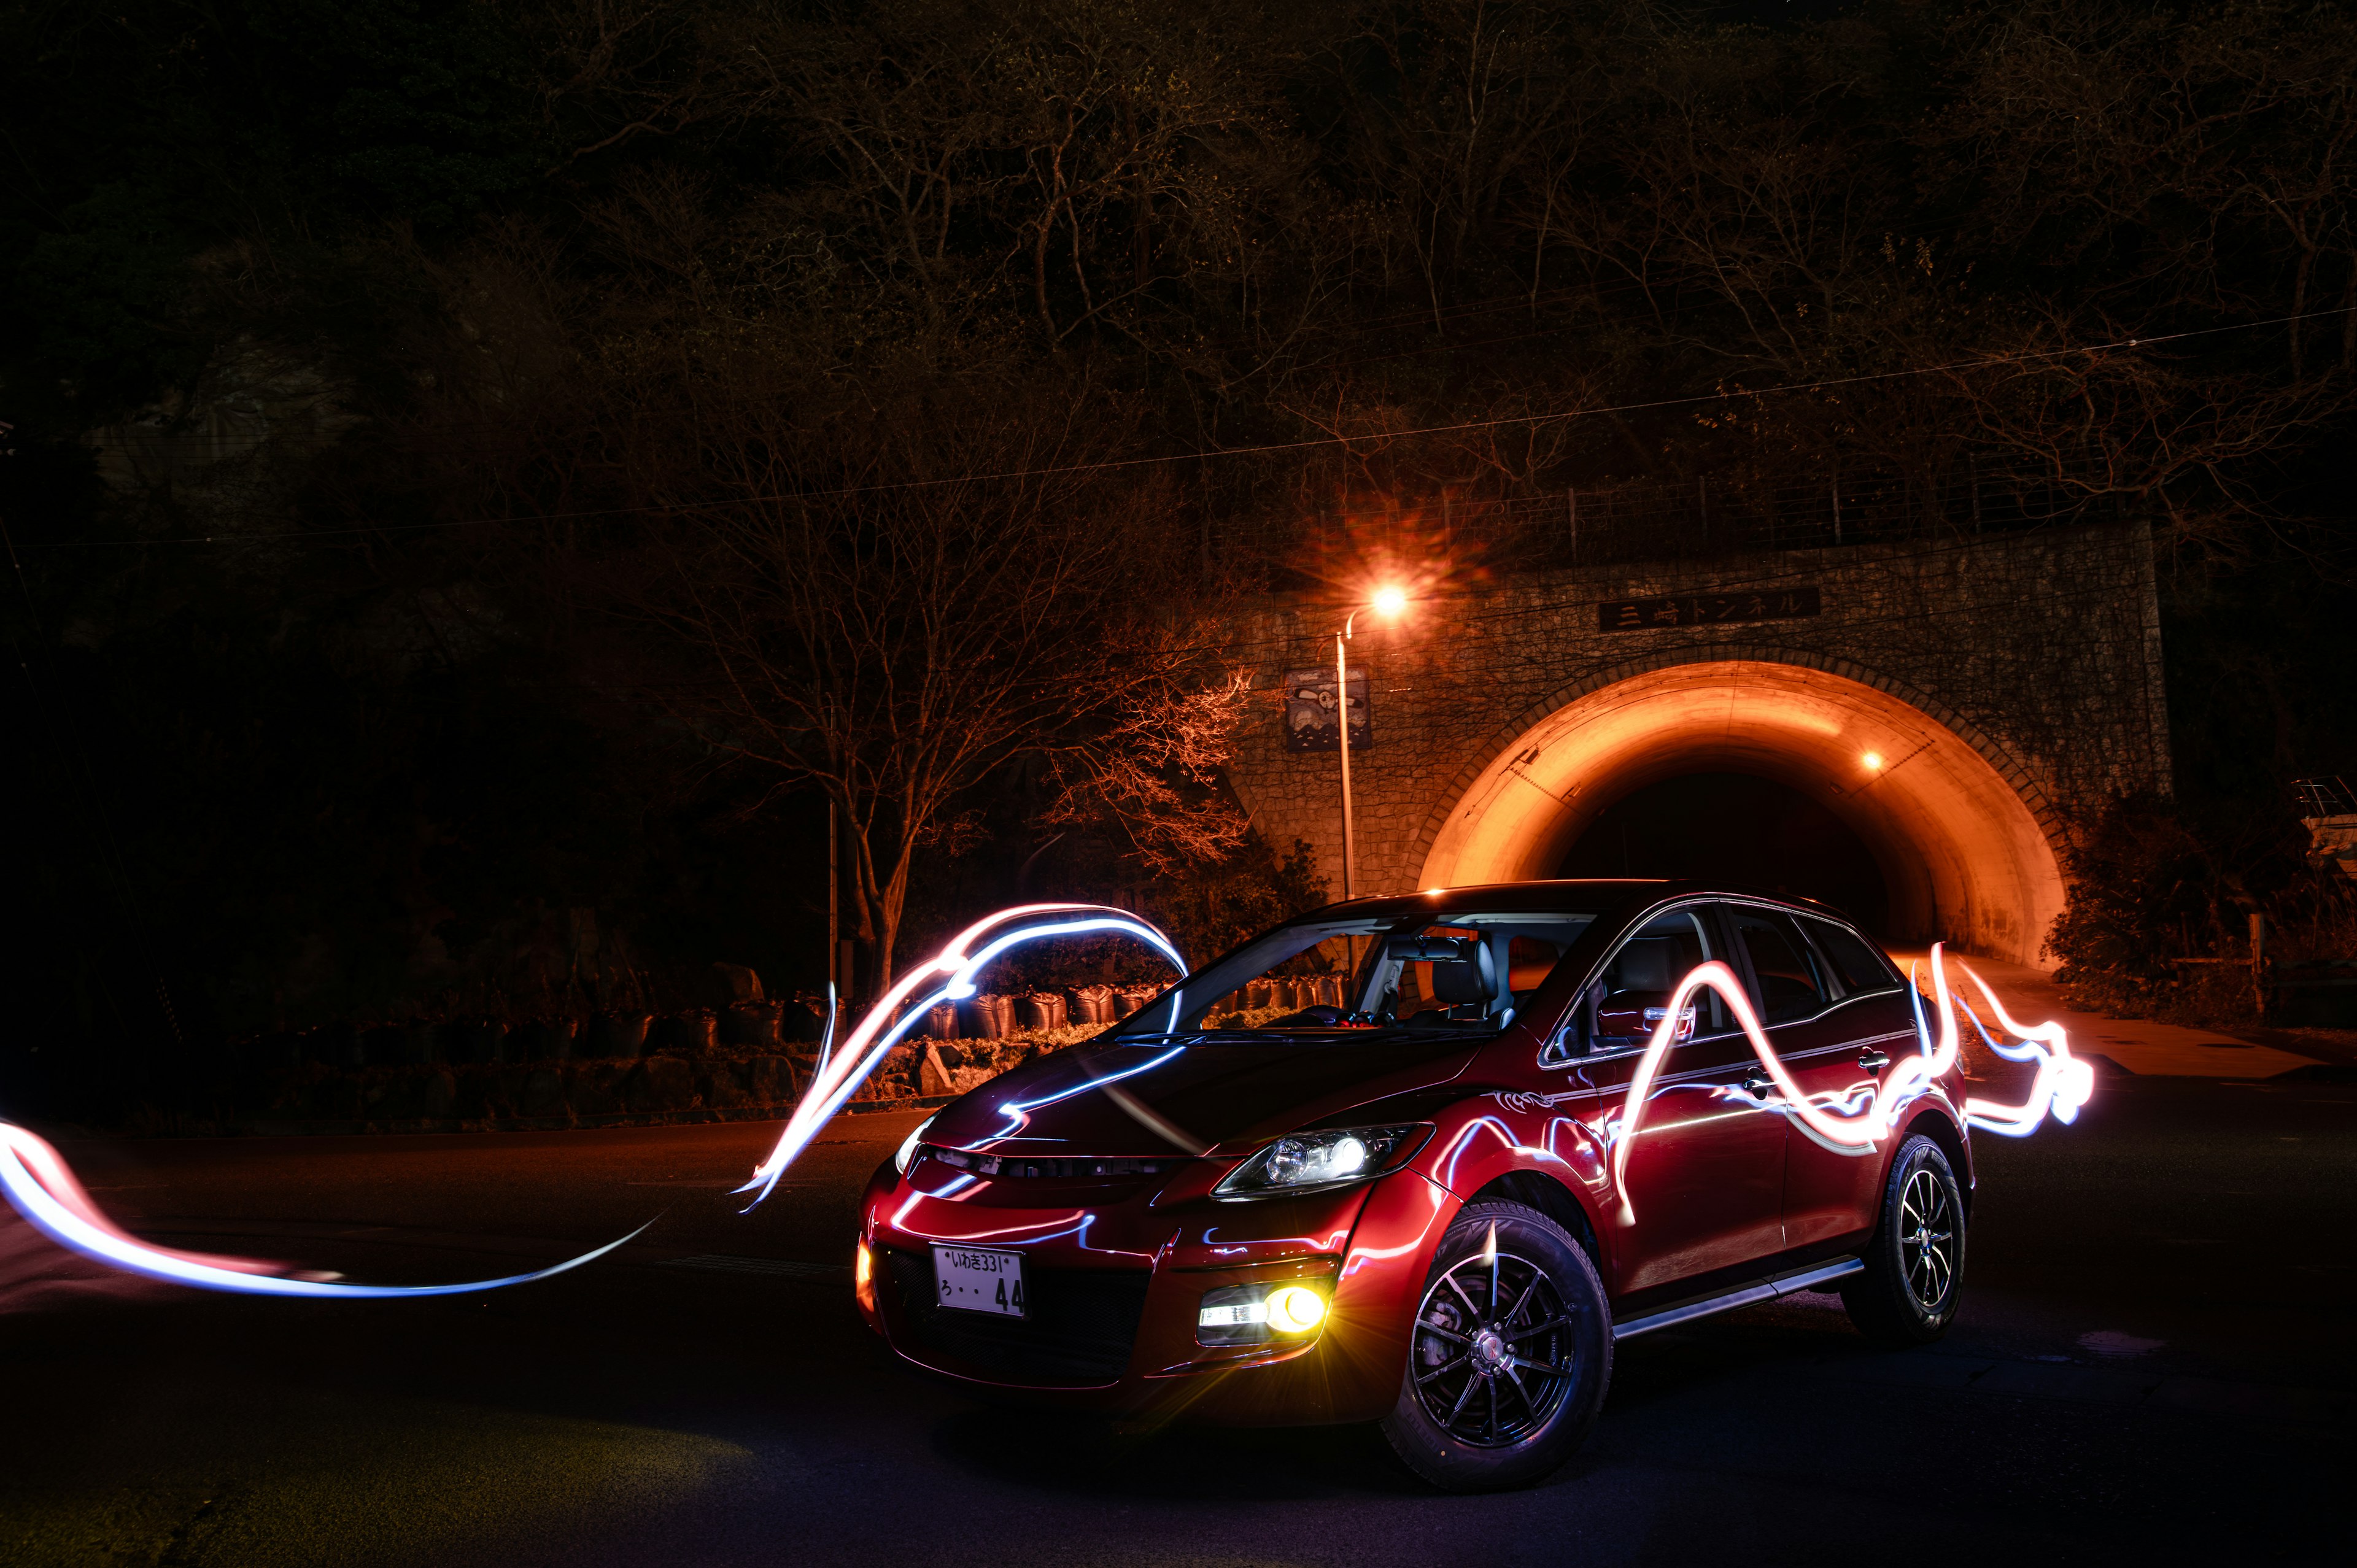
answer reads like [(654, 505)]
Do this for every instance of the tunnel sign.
[(1309, 711), (1703, 609)]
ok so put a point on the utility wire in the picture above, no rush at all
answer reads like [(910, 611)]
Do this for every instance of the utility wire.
[(1109, 464)]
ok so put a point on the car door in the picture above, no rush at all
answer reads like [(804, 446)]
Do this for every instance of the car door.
[(1832, 1041), (1828, 1196), (1706, 1164)]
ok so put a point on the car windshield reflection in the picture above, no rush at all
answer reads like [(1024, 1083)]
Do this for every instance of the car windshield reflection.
[(1463, 972)]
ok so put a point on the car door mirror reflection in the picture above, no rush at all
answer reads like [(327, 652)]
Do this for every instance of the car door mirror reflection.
[(1629, 1018)]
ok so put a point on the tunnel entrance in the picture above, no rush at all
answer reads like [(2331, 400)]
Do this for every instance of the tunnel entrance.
[(1959, 855), (1734, 827)]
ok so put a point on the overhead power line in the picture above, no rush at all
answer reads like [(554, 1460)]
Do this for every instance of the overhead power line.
[(1109, 464)]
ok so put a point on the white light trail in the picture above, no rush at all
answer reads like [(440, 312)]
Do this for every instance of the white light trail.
[(2063, 1083), (43, 1189), (900, 1009)]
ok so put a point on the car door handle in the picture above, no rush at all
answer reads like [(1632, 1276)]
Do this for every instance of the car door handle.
[(1758, 1084), (1870, 1060)]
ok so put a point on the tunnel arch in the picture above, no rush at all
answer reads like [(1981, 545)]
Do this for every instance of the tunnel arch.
[(1966, 840)]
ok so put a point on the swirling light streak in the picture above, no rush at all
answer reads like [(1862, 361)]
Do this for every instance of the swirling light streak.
[(43, 1189), (39, 1185), (2062, 1085), (899, 1010), (1018, 1112)]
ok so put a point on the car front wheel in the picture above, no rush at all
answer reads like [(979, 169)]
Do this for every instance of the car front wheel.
[(1511, 1354), (1915, 1264)]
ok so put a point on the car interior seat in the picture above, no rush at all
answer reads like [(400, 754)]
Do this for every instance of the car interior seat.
[(1644, 964), (1464, 976)]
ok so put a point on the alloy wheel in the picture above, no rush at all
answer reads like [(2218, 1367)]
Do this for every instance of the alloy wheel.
[(1927, 1238), (1493, 1348)]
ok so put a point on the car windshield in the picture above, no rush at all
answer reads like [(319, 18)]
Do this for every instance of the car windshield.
[(1465, 972)]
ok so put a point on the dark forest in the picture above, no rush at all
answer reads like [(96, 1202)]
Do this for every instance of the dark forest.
[(486, 479)]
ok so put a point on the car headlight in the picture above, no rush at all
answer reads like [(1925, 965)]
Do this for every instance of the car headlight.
[(908, 1150), (1300, 1161)]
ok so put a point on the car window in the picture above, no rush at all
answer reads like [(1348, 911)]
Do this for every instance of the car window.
[(1471, 970), (1626, 1002), (1788, 984), (1857, 964), (1316, 977)]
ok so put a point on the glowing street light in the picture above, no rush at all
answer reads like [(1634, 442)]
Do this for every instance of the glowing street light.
[(1872, 761), (1389, 601)]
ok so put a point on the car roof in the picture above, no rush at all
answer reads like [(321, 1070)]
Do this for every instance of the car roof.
[(1603, 895)]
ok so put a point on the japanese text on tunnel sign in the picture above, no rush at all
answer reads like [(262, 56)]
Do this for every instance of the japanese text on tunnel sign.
[(1707, 609)]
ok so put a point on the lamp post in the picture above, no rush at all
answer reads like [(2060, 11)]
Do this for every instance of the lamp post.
[(1387, 603)]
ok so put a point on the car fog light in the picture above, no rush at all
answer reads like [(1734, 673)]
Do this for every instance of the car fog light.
[(1295, 1309), (1234, 1316), (1253, 1314)]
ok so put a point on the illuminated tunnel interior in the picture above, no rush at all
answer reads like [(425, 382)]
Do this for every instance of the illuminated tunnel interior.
[(1734, 827), (1811, 767)]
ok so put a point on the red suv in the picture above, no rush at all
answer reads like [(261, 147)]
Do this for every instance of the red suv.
[(1377, 1166)]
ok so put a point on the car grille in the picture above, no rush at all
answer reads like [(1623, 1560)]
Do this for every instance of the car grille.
[(1058, 1168), (1082, 1325)]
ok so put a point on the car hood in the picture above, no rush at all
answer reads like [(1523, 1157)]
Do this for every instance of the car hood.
[(1156, 1100)]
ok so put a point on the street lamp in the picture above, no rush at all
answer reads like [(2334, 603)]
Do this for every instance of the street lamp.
[(1389, 602)]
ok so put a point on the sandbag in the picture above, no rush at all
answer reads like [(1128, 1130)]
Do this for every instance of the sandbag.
[(1091, 1004), (755, 1023), (618, 1034), (986, 1016), (1041, 1010)]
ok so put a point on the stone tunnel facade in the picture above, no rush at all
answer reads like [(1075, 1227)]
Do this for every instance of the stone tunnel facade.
[(1963, 707)]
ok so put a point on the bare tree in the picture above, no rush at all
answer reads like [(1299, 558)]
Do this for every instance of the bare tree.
[(891, 596)]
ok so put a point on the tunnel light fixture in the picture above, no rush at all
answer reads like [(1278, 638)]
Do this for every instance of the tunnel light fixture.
[(1390, 601), (1872, 761)]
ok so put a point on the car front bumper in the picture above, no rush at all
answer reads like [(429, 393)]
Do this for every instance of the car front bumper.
[(1117, 1274)]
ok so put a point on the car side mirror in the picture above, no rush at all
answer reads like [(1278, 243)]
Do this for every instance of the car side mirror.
[(1635, 1015)]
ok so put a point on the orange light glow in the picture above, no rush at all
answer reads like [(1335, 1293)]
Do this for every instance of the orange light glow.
[(1390, 601), (1961, 855), (1873, 761)]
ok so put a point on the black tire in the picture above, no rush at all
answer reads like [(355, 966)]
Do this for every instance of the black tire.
[(1915, 1264), (1527, 1374)]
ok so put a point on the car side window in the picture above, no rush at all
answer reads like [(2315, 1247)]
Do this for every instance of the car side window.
[(1856, 962), (1788, 985), (1621, 1009)]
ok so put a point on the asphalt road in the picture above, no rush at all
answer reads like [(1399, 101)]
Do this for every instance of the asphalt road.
[(2152, 1365)]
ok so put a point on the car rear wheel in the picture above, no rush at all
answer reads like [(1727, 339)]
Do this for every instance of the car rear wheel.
[(1915, 1264), (1511, 1354)]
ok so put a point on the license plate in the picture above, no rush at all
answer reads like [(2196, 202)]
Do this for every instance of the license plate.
[(968, 1281)]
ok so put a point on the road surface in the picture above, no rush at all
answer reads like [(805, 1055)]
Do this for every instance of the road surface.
[(2151, 1364)]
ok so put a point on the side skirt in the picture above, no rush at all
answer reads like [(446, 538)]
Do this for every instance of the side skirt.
[(1743, 1295)]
